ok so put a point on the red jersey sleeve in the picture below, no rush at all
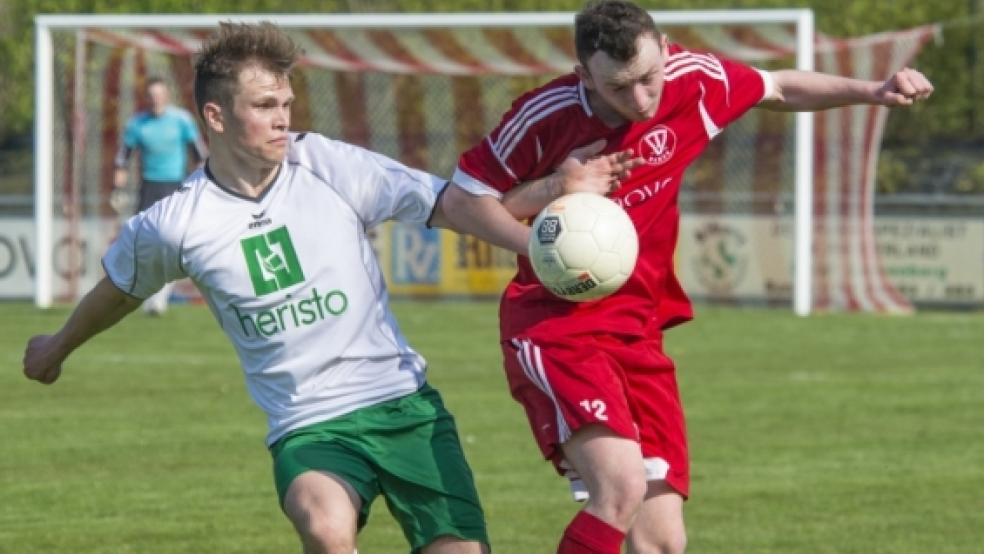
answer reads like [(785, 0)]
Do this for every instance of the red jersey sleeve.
[(521, 147), (728, 88)]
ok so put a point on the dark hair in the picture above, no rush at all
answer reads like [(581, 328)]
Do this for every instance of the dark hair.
[(612, 27), (233, 47)]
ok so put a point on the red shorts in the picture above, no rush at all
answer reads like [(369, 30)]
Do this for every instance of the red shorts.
[(626, 384)]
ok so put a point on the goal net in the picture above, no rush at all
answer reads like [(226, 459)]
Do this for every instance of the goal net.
[(757, 223)]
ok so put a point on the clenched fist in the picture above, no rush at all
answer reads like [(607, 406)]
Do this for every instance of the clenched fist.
[(42, 359)]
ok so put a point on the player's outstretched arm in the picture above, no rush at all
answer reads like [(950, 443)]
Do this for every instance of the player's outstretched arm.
[(483, 216), (496, 221), (584, 170), (796, 90), (100, 309)]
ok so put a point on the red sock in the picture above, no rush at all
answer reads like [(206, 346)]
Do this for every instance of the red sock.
[(587, 534)]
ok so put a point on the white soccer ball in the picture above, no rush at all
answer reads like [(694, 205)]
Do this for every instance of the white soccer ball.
[(583, 246)]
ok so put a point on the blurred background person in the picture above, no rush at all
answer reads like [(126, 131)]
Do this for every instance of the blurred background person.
[(162, 135)]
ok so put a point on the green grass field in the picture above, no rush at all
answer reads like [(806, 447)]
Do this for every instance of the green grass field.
[(832, 434)]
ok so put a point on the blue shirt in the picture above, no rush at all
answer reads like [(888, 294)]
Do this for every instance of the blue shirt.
[(163, 143)]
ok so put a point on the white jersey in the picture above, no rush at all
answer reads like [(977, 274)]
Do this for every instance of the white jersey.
[(291, 276)]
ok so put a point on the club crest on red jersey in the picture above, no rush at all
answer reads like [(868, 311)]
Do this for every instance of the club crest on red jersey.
[(658, 145)]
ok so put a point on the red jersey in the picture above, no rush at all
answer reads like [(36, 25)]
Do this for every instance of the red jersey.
[(702, 94)]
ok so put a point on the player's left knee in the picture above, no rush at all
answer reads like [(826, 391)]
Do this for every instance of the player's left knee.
[(662, 541), (674, 544), (664, 547)]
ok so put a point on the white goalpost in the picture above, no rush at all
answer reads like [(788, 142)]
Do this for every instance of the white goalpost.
[(418, 87)]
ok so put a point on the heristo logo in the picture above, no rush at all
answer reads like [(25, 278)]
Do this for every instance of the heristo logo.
[(273, 265), (272, 261)]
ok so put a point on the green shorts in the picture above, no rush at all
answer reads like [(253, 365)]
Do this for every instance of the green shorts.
[(406, 449)]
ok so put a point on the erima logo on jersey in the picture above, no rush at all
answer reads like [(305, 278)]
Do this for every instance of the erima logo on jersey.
[(259, 223), (272, 261), (259, 220)]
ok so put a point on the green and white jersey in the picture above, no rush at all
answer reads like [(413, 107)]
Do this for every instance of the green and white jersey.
[(291, 276)]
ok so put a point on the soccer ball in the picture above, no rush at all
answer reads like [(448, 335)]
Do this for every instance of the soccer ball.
[(583, 246)]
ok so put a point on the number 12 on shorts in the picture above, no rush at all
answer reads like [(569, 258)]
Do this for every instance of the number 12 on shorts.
[(596, 408)]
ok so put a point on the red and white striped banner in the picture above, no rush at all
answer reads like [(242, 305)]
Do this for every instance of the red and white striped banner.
[(848, 272)]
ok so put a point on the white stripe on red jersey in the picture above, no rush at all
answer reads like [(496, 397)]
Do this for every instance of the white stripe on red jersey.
[(536, 109), (681, 64)]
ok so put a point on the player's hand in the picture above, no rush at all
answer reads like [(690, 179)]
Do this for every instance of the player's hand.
[(585, 170), (904, 88), (42, 362), (120, 177)]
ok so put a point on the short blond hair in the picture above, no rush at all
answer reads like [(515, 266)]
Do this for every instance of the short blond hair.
[(233, 47)]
